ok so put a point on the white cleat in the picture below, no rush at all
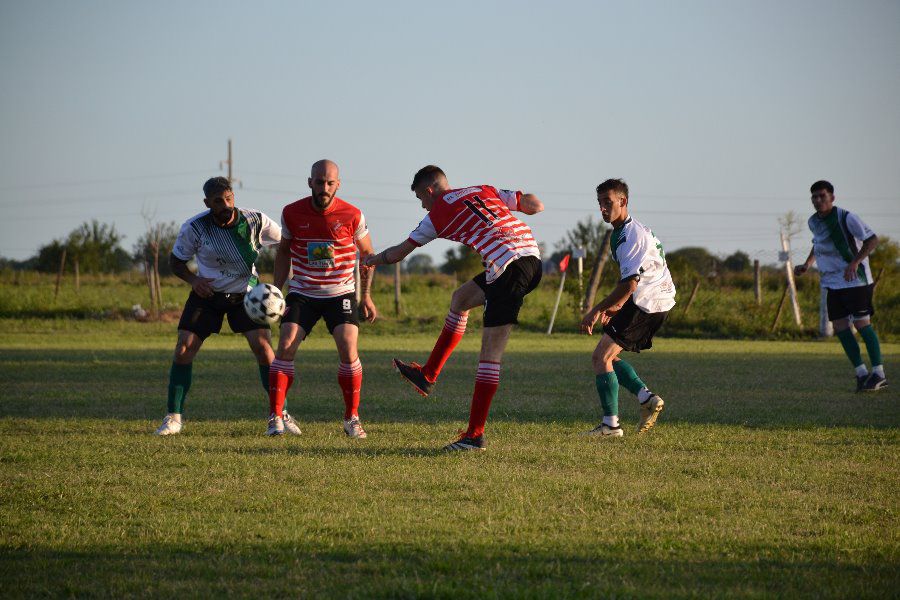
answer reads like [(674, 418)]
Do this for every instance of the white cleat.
[(354, 429), (604, 430), (649, 412), (276, 426), (170, 426), (290, 425)]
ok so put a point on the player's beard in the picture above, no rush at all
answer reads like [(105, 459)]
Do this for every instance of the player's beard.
[(225, 218), (323, 200)]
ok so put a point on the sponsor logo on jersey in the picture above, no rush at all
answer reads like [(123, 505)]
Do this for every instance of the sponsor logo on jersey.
[(453, 197), (320, 254)]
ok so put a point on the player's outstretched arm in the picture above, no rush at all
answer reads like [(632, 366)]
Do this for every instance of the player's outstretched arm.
[(366, 305), (391, 255), (282, 262), (609, 305), (530, 204)]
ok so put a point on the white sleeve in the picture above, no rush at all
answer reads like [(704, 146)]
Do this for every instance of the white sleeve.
[(285, 232), (510, 198), (858, 228), (631, 256), (363, 229), (269, 232), (187, 243), (424, 233)]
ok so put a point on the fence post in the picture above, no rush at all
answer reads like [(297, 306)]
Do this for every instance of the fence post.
[(690, 301), (757, 282), (397, 289), (825, 327), (62, 265)]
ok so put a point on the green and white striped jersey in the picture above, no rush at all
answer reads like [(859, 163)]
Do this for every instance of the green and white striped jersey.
[(227, 255), (640, 254), (836, 240)]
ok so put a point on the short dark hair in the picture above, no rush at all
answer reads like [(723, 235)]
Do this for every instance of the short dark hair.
[(821, 185), (427, 173), (216, 185), (613, 185)]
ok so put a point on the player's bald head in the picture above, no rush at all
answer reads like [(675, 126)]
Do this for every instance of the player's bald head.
[(325, 168)]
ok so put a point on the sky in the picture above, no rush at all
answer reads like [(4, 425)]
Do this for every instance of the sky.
[(719, 114)]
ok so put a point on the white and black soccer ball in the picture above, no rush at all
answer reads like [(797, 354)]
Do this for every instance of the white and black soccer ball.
[(264, 304)]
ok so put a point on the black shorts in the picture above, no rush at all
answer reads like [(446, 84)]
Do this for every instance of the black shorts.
[(632, 328), (504, 297), (854, 301), (204, 316), (306, 311)]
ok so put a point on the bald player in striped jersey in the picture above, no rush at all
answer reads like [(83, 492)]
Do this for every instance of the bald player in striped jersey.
[(481, 218), (320, 236)]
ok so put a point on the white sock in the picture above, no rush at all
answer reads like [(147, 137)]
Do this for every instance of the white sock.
[(878, 370), (612, 421), (644, 395), (861, 370), (176, 417)]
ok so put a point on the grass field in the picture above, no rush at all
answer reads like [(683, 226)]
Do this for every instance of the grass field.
[(766, 476)]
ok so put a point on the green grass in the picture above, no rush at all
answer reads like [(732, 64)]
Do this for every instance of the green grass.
[(724, 307), (766, 476)]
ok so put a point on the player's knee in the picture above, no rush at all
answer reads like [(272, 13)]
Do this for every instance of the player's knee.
[(841, 324)]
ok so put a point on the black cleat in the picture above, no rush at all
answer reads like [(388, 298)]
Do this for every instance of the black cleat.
[(466, 443), (874, 383), (861, 382), (412, 374)]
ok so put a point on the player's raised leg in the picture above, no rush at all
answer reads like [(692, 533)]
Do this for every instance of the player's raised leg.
[(607, 387), (281, 377), (180, 376), (422, 378)]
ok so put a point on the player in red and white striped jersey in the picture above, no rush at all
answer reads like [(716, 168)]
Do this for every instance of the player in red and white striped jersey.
[(481, 218), (320, 237)]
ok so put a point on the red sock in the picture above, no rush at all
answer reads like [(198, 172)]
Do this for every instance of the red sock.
[(486, 383), (454, 328), (281, 376), (350, 380)]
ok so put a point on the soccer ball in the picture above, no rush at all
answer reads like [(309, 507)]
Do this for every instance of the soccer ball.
[(264, 304)]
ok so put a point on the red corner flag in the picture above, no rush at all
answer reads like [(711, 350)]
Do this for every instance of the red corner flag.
[(564, 264)]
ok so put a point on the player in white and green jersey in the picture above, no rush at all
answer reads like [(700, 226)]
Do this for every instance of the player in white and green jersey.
[(225, 240), (842, 243), (634, 311)]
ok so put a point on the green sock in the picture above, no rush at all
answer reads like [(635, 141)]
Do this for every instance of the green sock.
[(264, 376), (627, 377), (869, 336), (608, 388), (179, 384), (851, 347)]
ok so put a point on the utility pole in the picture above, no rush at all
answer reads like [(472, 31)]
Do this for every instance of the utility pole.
[(229, 162)]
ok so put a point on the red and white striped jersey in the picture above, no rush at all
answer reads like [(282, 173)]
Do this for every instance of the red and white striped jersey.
[(480, 218), (323, 246)]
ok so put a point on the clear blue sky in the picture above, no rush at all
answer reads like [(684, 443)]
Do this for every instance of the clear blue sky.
[(719, 114)]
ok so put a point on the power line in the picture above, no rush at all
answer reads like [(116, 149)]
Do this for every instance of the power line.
[(99, 181)]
